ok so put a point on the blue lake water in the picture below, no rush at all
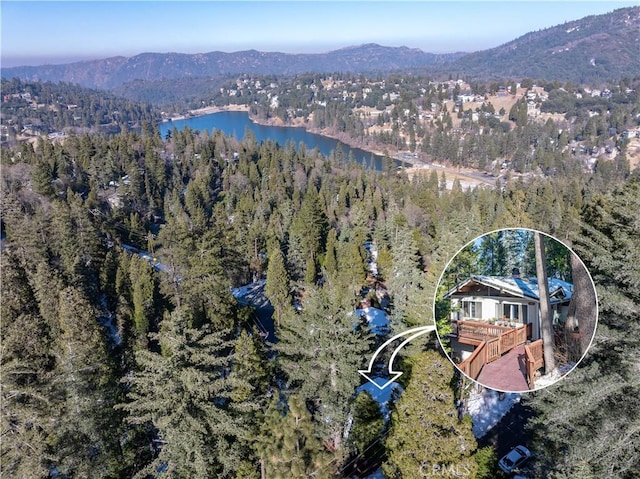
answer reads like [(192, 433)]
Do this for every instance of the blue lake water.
[(235, 123)]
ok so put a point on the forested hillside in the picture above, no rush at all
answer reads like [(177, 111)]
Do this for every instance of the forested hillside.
[(125, 353), (30, 109), (523, 128), (588, 51)]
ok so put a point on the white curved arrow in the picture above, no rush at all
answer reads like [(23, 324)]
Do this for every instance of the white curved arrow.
[(413, 334)]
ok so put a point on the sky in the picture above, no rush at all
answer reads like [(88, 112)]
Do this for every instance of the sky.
[(34, 33)]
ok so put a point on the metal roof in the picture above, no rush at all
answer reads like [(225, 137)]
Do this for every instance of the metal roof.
[(559, 291)]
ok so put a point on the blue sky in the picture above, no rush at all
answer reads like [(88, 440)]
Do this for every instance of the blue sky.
[(58, 32)]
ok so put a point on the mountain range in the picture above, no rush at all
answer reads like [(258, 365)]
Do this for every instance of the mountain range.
[(115, 71), (588, 50)]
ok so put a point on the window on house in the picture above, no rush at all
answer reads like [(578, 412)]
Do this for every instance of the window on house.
[(472, 309), (514, 312)]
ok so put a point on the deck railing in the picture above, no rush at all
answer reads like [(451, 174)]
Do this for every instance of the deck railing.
[(474, 363), (494, 349), (479, 331), (494, 342), (535, 360)]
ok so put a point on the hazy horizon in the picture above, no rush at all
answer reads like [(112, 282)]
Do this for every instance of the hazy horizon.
[(10, 62), (50, 32)]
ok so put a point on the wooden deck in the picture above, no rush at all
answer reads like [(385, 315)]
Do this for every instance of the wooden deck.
[(508, 373), (501, 360)]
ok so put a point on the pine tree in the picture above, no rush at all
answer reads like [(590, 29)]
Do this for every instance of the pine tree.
[(440, 445), (320, 352), (86, 441), (107, 276), (307, 235), (330, 258), (184, 393), (601, 393), (405, 281), (76, 242), (251, 382), (30, 234), (277, 289), (310, 272), (518, 112), (178, 245), (367, 422), (124, 301), (288, 447), (251, 366), (142, 293), (515, 241), (42, 177), (296, 257), (351, 271), (27, 363), (492, 255), (385, 260), (205, 285)]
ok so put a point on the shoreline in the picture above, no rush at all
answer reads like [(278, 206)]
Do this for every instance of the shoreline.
[(207, 110), (402, 156), (411, 163)]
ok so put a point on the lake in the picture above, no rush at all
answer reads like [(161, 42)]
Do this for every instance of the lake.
[(235, 123)]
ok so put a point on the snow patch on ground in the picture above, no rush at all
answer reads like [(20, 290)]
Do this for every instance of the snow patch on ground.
[(372, 266), (155, 263), (108, 321), (376, 475), (486, 409), (377, 320), (252, 293), (381, 396), (247, 289), (553, 376)]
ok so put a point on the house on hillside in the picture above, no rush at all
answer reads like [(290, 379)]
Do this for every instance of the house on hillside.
[(502, 302)]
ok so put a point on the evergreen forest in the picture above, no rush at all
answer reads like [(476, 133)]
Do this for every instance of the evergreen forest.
[(127, 351)]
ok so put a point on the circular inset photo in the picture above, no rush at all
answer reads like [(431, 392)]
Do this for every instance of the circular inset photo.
[(516, 310)]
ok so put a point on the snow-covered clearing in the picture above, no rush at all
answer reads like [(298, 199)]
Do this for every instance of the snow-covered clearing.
[(377, 320), (486, 409), (381, 396)]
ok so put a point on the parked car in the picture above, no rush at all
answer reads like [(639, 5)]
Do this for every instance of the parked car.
[(514, 459)]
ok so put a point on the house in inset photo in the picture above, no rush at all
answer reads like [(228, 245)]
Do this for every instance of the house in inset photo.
[(496, 316), (500, 329)]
